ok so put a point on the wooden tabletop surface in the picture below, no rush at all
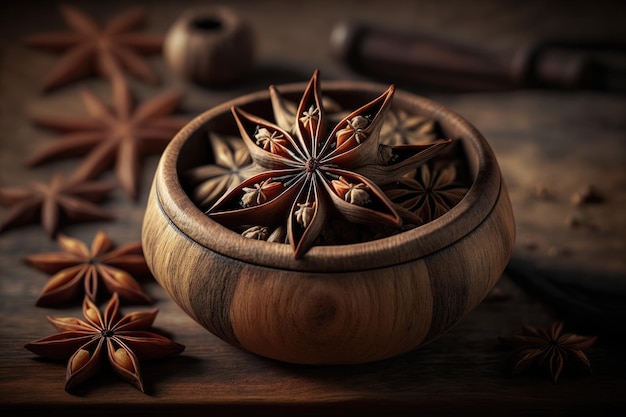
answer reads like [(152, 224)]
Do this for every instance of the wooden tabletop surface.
[(549, 143)]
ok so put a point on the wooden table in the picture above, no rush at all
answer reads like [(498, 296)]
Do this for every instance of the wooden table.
[(546, 140)]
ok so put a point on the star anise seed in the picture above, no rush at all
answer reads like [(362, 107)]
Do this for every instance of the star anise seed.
[(91, 49), (113, 136), (79, 267), (256, 232), (286, 111), (549, 349), (315, 154), (120, 341), (352, 193), (273, 142), (62, 201), (260, 193)]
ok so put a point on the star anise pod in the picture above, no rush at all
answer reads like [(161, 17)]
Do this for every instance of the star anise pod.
[(113, 136), (120, 341), (63, 200), (402, 128), (312, 171), (91, 49), (79, 267), (429, 191), (549, 349), (232, 164)]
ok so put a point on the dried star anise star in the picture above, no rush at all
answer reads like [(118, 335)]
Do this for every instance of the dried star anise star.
[(63, 200), (107, 51), (118, 135), (549, 349), (311, 171), (79, 267), (428, 191), (123, 341), (232, 164), (401, 128)]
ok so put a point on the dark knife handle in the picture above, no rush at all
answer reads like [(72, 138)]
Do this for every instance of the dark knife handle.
[(430, 60)]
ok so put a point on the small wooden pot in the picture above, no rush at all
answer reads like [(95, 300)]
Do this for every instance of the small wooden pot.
[(341, 304), (210, 46)]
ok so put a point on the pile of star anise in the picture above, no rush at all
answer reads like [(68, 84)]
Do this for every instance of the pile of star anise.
[(107, 136), (317, 174)]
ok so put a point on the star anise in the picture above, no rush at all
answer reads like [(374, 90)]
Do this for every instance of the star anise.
[(402, 128), (312, 172), (429, 191), (232, 164), (63, 200), (117, 135), (120, 341), (91, 49), (549, 349), (79, 267)]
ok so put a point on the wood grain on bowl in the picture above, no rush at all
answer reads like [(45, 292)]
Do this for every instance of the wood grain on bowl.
[(340, 304)]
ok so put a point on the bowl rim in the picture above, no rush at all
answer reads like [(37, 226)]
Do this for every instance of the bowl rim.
[(407, 246)]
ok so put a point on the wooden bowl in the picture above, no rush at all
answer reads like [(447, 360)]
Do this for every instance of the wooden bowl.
[(342, 304)]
